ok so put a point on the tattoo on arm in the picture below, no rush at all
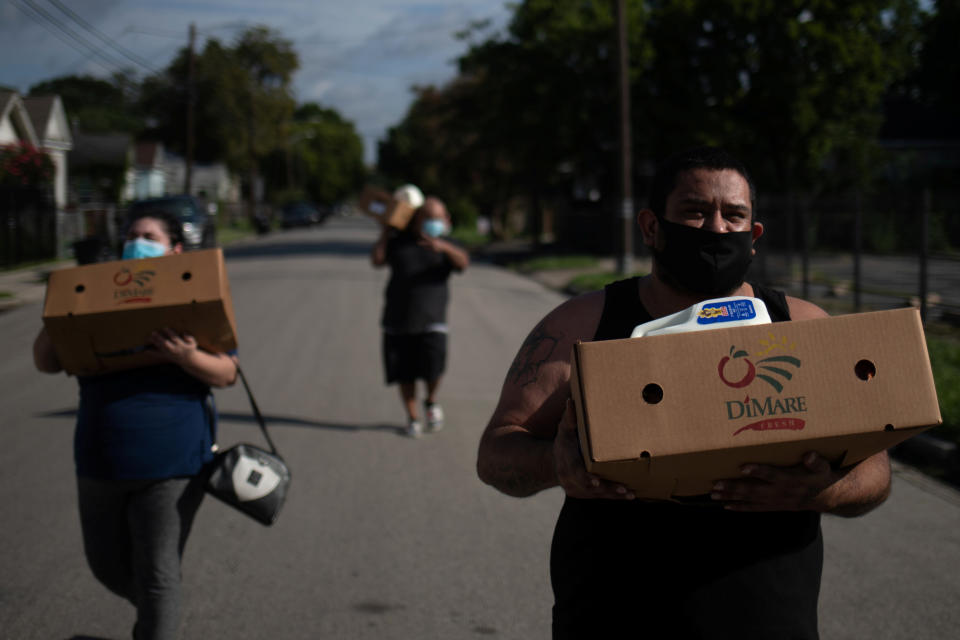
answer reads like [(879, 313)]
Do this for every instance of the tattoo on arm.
[(519, 483), (535, 351)]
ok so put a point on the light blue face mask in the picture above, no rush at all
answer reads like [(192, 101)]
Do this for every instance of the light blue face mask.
[(143, 248), (434, 228)]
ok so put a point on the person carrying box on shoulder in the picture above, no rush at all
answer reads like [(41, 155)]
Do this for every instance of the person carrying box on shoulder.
[(414, 318)]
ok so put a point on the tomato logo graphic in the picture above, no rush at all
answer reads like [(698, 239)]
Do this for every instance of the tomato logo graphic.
[(773, 370), (733, 357), (124, 277)]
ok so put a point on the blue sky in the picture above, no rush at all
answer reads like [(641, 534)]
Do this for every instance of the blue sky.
[(358, 56)]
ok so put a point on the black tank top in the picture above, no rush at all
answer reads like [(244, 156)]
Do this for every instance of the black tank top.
[(663, 570)]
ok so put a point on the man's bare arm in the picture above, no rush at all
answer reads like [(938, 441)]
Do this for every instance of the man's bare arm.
[(516, 449), (812, 485), (860, 490), (378, 254), (531, 442)]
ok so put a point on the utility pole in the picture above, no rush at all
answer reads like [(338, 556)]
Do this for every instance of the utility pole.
[(191, 101), (625, 262)]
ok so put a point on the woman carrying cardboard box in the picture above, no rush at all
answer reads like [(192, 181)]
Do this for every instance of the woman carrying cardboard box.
[(142, 439)]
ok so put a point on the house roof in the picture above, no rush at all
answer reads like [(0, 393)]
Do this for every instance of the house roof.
[(6, 102), (148, 154), (11, 107), (40, 109), (49, 121)]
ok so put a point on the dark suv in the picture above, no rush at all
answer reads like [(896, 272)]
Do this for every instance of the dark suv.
[(199, 228)]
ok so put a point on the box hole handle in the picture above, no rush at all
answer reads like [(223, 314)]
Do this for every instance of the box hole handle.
[(652, 393), (888, 427), (865, 370), (80, 288), (186, 276), (644, 455)]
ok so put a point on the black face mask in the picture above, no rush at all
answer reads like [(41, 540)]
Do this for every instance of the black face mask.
[(703, 262)]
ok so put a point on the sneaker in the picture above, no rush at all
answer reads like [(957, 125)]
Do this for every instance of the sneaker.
[(414, 428), (434, 417)]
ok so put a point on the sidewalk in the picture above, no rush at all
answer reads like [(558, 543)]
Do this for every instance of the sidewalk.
[(28, 284)]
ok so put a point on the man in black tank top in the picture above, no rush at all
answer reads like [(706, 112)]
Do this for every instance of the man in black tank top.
[(745, 561)]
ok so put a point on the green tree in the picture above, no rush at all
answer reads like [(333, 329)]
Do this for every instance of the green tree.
[(95, 104), (323, 158), (794, 87), (218, 116), (788, 85), (243, 100), (530, 108), (938, 77)]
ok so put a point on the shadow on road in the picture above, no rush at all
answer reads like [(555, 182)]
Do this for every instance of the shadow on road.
[(313, 424), (291, 421), (291, 249)]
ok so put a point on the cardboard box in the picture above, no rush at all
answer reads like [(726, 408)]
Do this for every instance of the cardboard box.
[(99, 316), (379, 204), (667, 415)]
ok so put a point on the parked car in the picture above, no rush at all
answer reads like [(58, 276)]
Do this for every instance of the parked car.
[(199, 227), (300, 214)]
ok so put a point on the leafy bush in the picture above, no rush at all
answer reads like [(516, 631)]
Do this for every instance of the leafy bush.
[(586, 282), (23, 165), (552, 263), (463, 213), (469, 237), (882, 234), (945, 359)]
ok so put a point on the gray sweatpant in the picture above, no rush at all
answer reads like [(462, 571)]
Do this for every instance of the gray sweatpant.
[(134, 532)]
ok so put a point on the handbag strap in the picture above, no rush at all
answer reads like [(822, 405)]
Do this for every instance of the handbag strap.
[(256, 412)]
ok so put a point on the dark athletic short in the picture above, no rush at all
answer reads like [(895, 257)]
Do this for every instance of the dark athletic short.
[(408, 357)]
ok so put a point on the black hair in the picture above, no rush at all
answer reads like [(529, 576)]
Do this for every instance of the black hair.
[(171, 223), (665, 179)]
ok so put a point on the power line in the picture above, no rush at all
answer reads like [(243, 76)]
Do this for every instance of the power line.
[(176, 35), (70, 13), (38, 16)]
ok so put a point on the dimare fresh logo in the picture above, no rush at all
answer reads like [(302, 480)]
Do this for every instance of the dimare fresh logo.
[(774, 367), (133, 286)]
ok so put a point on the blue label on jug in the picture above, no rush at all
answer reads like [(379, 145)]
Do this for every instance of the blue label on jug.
[(727, 311)]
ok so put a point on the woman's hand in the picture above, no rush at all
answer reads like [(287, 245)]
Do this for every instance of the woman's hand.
[(174, 347), (214, 369)]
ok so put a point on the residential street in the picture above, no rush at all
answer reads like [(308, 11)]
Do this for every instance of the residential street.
[(382, 536)]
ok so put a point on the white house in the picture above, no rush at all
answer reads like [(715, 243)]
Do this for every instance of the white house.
[(147, 178), (15, 124), (53, 136), (212, 182)]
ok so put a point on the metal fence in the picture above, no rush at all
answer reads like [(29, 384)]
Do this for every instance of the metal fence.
[(28, 226), (876, 251)]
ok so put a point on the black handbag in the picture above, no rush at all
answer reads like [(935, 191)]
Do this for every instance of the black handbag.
[(249, 478)]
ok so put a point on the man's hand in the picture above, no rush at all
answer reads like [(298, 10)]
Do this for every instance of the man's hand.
[(434, 244), (572, 475), (458, 257), (768, 488), (174, 347)]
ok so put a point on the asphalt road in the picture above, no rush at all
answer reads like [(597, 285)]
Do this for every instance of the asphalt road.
[(382, 536)]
